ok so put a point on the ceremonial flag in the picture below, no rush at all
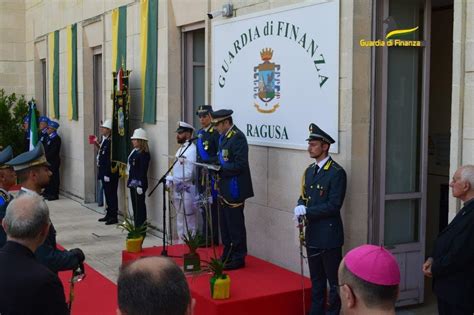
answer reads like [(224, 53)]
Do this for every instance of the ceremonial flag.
[(53, 60), (149, 52), (121, 105), (33, 125), (72, 72)]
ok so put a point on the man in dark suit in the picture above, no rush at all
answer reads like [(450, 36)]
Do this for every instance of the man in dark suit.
[(207, 145), (451, 264), (26, 286), (33, 173), (7, 180), (109, 179), (53, 151), (322, 194), (235, 186)]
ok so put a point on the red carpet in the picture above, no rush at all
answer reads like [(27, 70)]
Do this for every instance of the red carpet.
[(259, 288), (94, 295)]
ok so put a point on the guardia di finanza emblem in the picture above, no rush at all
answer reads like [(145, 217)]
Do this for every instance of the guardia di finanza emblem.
[(266, 83)]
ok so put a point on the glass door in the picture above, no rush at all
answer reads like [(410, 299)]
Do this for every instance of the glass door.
[(401, 114)]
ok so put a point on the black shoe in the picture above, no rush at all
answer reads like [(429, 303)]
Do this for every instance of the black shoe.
[(111, 221), (104, 219), (51, 198), (100, 205), (234, 265)]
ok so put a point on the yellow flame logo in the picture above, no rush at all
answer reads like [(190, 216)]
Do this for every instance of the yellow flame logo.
[(400, 32)]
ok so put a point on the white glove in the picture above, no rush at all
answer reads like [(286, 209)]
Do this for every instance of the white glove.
[(300, 210), (106, 179), (169, 180), (181, 160), (139, 190)]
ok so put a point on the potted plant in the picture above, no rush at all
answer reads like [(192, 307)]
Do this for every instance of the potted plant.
[(219, 282), (135, 235), (192, 260)]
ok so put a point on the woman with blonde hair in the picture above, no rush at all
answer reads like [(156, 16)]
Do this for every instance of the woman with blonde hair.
[(138, 162)]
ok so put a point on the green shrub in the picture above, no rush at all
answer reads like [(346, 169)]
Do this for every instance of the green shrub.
[(12, 111)]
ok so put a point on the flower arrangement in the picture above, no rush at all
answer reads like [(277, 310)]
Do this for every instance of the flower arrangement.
[(135, 234), (219, 282)]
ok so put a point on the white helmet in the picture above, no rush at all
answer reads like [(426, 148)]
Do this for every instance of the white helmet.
[(139, 133), (107, 124)]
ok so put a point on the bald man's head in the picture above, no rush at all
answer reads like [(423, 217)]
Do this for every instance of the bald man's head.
[(153, 286), (26, 217)]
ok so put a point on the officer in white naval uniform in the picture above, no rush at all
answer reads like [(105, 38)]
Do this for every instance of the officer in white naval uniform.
[(182, 182)]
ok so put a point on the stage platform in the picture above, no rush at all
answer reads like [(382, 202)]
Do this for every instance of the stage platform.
[(259, 288)]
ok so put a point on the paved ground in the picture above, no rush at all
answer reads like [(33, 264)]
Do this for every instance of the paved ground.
[(77, 226)]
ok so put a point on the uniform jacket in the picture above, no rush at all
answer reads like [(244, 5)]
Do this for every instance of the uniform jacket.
[(52, 150), (26, 141), (453, 260), (103, 159), (5, 199), (26, 286), (323, 194), (43, 136), (48, 254), (207, 145), (235, 183), (138, 161)]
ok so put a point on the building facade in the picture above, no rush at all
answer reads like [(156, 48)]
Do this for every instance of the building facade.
[(404, 112)]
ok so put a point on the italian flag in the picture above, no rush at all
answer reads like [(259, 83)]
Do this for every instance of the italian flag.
[(33, 126)]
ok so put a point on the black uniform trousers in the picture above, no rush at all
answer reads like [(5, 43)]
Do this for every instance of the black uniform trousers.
[(110, 190), (139, 206), (233, 233), (323, 267), (52, 190)]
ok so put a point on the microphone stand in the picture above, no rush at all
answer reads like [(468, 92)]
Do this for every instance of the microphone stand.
[(164, 251)]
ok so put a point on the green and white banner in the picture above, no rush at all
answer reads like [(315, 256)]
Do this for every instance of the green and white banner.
[(149, 54)]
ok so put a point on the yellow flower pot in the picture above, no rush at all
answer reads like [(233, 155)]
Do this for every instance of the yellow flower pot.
[(134, 245), (220, 287)]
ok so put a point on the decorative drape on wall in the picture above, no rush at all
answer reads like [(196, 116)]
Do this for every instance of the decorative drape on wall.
[(53, 59), (119, 38), (149, 52), (72, 71)]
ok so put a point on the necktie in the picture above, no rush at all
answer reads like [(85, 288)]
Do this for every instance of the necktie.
[(316, 168)]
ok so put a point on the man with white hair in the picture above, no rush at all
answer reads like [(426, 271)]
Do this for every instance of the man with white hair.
[(26, 286), (451, 264)]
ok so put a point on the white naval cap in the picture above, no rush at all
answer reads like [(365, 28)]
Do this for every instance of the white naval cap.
[(184, 126)]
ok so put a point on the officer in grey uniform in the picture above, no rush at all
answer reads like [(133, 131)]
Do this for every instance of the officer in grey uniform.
[(32, 170)]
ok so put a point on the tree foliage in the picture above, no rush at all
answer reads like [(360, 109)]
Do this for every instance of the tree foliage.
[(12, 111)]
